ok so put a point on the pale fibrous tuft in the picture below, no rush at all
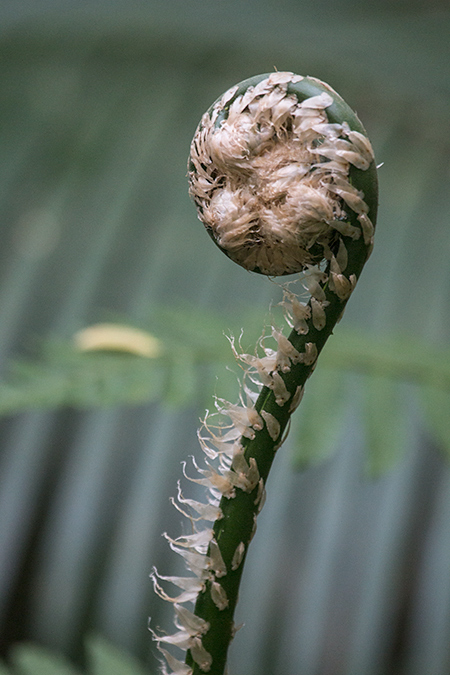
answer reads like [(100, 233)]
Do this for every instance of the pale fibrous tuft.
[(225, 470), (270, 176)]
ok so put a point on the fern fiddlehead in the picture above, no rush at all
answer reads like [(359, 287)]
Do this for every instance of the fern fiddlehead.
[(284, 180)]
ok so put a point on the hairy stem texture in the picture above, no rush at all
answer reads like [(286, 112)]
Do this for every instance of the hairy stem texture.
[(291, 163)]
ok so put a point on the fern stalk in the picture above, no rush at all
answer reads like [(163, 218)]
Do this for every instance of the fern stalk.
[(285, 182)]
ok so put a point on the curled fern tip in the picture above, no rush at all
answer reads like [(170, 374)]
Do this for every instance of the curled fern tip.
[(271, 171), (284, 180)]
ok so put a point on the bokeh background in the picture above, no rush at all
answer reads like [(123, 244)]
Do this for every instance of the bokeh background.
[(349, 573)]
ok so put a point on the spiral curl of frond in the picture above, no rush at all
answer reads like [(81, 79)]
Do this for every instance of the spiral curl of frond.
[(284, 180), (270, 176)]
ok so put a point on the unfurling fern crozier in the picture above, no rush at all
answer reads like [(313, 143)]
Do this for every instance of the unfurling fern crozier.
[(284, 180)]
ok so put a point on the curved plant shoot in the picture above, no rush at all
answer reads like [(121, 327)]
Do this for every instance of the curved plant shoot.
[(284, 180)]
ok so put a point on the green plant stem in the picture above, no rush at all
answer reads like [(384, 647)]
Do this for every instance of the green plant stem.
[(235, 529), (239, 513)]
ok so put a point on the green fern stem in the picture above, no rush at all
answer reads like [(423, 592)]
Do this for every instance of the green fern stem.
[(239, 514), (293, 144)]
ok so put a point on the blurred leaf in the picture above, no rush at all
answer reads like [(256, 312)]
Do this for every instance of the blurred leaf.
[(385, 423), (182, 380), (437, 415), (63, 376), (394, 356), (321, 418), (103, 658), (190, 368), (30, 659), (106, 659)]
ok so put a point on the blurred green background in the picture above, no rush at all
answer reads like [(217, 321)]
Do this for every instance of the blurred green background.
[(349, 573)]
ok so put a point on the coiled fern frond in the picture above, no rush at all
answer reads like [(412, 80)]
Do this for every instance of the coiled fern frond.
[(284, 179)]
